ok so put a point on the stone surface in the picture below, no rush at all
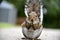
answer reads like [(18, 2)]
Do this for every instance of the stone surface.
[(15, 33)]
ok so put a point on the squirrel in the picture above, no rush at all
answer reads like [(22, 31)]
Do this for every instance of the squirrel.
[(32, 21)]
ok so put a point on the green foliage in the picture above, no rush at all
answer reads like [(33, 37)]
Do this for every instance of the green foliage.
[(52, 19), (0, 1)]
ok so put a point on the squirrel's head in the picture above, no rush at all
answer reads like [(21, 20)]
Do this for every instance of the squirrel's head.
[(32, 15)]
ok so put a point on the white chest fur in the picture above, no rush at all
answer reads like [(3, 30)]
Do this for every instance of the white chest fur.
[(31, 33)]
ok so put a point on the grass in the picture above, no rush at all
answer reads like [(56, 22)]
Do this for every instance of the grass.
[(6, 25)]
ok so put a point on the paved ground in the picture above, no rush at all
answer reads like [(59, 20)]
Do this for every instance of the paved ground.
[(15, 33)]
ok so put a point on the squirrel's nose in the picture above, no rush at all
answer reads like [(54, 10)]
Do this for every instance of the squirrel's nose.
[(32, 20)]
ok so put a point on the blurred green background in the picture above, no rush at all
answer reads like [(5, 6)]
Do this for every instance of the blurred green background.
[(51, 18)]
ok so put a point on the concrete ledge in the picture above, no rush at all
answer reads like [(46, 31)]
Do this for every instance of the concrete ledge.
[(15, 33)]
